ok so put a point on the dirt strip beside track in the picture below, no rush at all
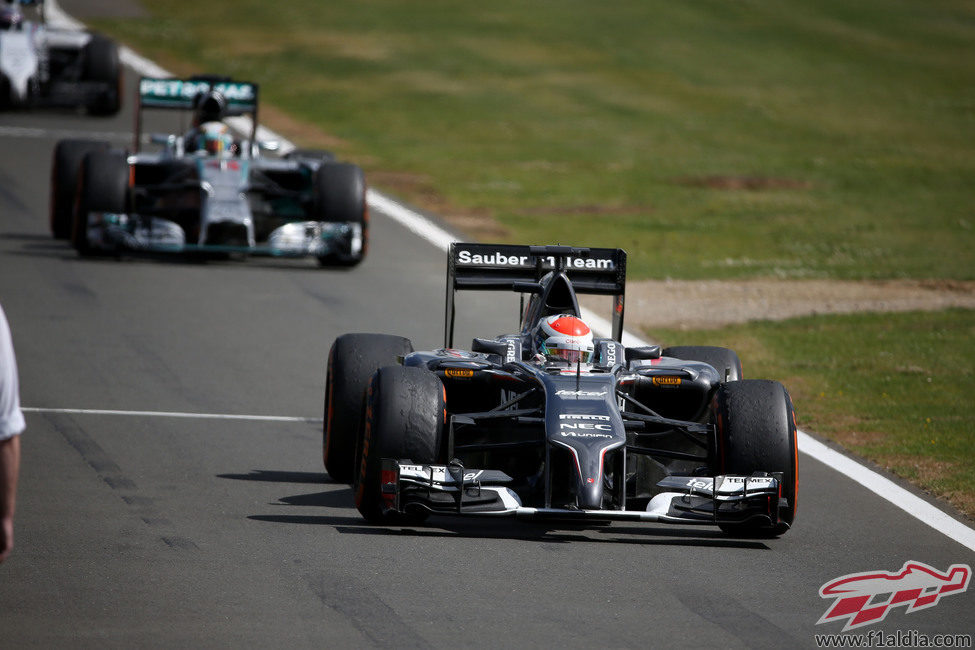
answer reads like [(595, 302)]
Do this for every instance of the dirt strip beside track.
[(714, 303)]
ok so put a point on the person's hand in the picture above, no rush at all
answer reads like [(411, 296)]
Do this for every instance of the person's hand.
[(6, 537)]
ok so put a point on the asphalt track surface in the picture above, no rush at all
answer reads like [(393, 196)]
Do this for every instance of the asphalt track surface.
[(155, 531)]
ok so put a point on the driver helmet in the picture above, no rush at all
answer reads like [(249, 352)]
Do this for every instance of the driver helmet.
[(210, 106), (215, 139), (10, 18), (564, 337)]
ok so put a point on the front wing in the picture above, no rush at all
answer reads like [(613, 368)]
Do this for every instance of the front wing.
[(455, 490), (122, 232)]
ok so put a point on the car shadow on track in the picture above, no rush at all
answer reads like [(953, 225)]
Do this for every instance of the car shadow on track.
[(31, 237), (446, 528), (33, 245), (58, 251), (339, 496), (276, 476), (37, 245)]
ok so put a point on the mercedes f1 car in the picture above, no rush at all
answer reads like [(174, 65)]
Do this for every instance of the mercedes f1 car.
[(42, 66), (548, 422), (206, 192)]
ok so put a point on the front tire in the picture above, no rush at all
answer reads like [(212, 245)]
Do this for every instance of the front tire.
[(405, 419), (352, 360), (340, 197), (65, 168), (103, 187), (101, 64), (756, 432)]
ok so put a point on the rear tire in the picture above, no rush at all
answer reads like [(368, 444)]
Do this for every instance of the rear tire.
[(756, 432), (352, 360), (725, 361), (340, 197), (65, 167), (103, 187), (101, 64), (405, 419), (6, 101)]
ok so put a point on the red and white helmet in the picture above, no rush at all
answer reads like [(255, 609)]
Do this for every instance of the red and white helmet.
[(564, 338)]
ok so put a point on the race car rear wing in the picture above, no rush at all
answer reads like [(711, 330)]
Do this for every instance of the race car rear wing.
[(241, 97), (513, 267)]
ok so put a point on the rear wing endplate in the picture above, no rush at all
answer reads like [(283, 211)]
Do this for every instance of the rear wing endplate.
[(500, 267)]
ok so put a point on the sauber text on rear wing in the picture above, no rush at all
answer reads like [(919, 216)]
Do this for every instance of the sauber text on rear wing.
[(511, 267)]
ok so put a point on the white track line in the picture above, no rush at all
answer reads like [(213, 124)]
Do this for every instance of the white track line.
[(426, 229), (31, 132), (416, 223), (887, 489), (169, 414)]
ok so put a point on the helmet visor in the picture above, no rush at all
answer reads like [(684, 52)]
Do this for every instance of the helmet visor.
[(571, 355)]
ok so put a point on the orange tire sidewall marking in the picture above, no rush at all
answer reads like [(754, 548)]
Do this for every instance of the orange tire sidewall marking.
[(331, 405), (795, 448), (366, 439)]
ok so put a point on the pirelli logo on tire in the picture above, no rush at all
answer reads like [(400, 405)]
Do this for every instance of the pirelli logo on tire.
[(667, 381), (366, 439)]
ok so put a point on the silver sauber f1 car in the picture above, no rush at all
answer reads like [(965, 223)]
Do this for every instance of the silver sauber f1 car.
[(205, 191), (552, 422), (43, 66)]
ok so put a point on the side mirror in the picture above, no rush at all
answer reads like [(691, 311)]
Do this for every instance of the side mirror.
[(508, 349), (489, 346), (162, 138), (644, 353), (269, 145)]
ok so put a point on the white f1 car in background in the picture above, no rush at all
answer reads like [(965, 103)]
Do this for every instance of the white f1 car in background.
[(42, 66)]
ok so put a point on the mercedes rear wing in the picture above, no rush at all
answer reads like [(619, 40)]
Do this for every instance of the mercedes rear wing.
[(514, 267), (182, 94)]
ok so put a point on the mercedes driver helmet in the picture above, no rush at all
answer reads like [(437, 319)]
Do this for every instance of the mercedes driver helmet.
[(564, 337), (210, 106), (215, 139)]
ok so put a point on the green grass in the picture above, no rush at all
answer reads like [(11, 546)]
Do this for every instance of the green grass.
[(609, 125), (894, 388)]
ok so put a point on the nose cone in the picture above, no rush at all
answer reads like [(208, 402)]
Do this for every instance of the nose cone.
[(590, 471), (591, 493), (582, 416)]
